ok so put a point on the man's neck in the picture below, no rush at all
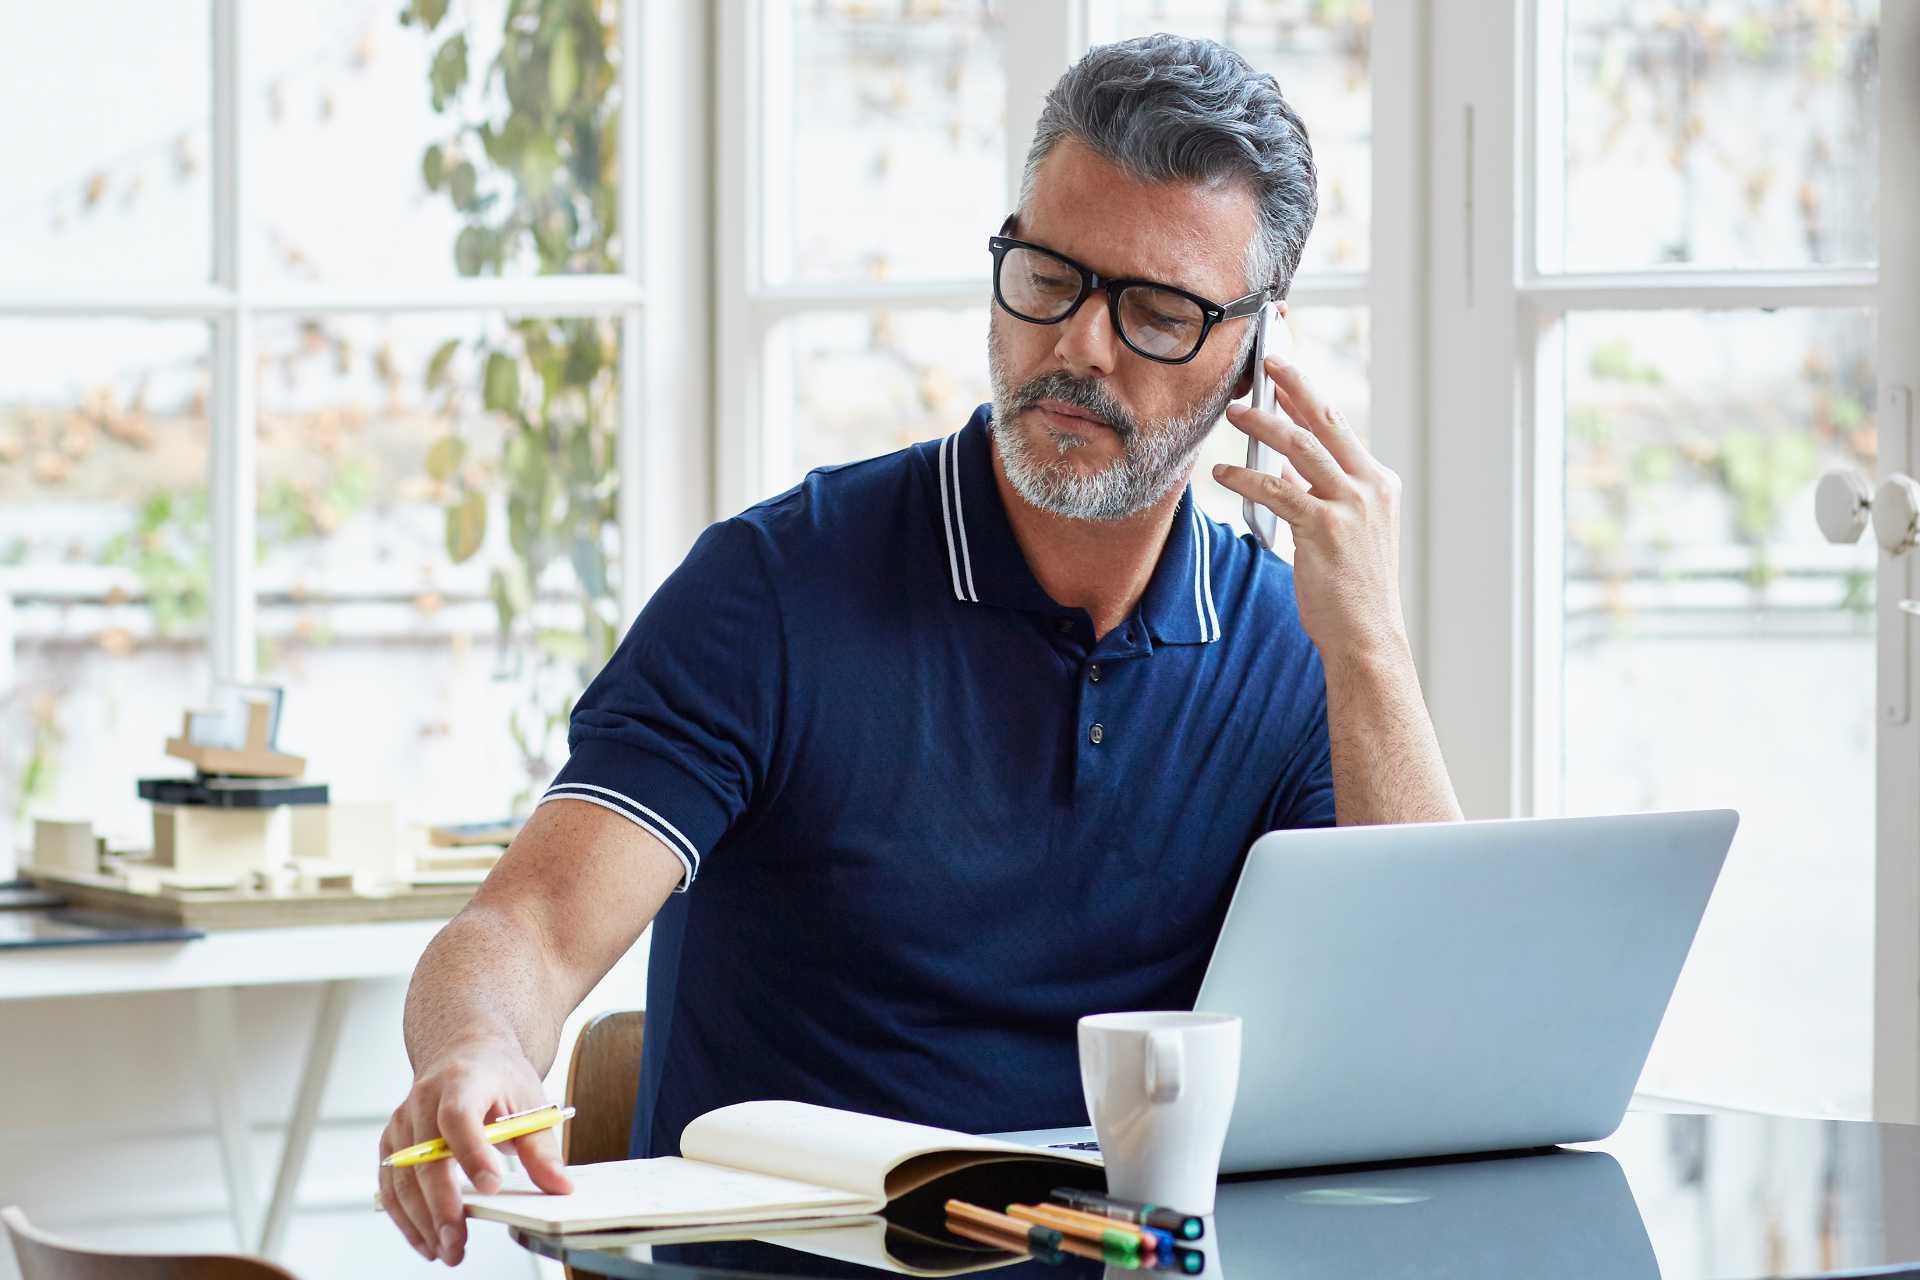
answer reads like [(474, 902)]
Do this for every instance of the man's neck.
[(1102, 566)]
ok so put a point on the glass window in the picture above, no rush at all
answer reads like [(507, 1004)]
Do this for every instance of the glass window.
[(864, 383), (1719, 652), (1320, 53), (104, 583), (1742, 134), (438, 548), (386, 148), (886, 160), (107, 147)]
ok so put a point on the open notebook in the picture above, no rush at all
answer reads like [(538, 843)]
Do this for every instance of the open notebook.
[(868, 1240), (788, 1161)]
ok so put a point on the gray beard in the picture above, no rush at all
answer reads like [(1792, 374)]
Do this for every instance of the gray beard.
[(1153, 459)]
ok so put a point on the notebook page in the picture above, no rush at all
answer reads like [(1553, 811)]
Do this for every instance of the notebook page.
[(663, 1191), (828, 1146)]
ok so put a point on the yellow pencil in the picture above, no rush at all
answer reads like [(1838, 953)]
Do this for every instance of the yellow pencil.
[(505, 1129)]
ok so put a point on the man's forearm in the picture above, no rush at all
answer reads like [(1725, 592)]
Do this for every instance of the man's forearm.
[(1386, 757), (484, 976)]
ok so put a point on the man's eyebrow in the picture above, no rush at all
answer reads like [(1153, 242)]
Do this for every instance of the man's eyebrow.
[(1012, 228)]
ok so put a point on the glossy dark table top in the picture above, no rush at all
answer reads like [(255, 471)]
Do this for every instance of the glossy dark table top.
[(1677, 1196)]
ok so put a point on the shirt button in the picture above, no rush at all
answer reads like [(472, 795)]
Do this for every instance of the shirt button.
[(1095, 734), (1093, 674)]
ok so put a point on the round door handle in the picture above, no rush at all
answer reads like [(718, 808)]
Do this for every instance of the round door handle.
[(1844, 508), (1840, 506), (1896, 513)]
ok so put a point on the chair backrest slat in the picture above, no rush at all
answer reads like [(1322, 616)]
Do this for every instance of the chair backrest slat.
[(45, 1257), (603, 1078)]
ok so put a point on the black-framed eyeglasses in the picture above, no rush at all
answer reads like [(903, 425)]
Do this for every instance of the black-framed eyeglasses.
[(1158, 321)]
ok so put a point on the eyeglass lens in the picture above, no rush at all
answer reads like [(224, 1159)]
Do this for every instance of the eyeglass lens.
[(1041, 288)]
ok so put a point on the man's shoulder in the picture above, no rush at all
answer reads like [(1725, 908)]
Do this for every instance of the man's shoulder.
[(848, 509)]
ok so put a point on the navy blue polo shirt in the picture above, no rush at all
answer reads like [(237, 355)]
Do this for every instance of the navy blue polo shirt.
[(926, 820)]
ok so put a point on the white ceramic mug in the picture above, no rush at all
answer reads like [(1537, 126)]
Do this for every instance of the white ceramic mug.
[(1159, 1087)]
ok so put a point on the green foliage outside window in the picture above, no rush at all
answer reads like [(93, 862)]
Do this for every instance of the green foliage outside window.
[(531, 163)]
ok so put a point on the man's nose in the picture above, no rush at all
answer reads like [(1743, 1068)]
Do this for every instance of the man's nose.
[(1087, 345)]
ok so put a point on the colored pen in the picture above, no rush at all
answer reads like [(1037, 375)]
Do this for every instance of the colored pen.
[(1182, 1226), (1118, 1245), (1081, 1249), (1152, 1239), (1000, 1240), (508, 1127), (1039, 1236)]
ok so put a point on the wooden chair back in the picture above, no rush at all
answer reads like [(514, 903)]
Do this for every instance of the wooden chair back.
[(603, 1077), (44, 1257)]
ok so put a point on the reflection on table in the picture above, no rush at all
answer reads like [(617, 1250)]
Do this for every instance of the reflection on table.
[(1668, 1196)]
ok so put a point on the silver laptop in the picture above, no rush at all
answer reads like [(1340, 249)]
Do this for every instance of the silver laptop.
[(1442, 988)]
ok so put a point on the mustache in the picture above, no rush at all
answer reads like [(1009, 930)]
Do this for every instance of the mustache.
[(1079, 393)]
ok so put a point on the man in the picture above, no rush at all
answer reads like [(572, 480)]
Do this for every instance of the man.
[(949, 747)]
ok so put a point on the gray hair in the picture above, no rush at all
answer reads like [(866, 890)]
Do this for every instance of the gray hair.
[(1167, 108)]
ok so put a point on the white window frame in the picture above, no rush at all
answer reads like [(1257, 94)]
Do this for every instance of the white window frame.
[(753, 448), (1494, 532), (659, 297)]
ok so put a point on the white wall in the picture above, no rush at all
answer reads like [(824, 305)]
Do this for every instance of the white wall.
[(107, 1134)]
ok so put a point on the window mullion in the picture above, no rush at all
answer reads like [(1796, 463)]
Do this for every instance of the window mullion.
[(1477, 662), (1896, 1032), (1395, 283), (1041, 41), (668, 430), (638, 197), (231, 498), (738, 126)]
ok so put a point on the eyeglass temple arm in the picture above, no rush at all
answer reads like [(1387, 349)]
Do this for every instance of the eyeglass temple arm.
[(1245, 306)]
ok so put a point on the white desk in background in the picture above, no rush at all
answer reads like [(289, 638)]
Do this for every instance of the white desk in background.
[(213, 967)]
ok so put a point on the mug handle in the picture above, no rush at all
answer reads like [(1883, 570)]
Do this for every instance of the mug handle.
[(1164, 1065)]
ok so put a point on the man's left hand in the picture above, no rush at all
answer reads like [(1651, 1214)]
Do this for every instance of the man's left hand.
[(1346, 531)]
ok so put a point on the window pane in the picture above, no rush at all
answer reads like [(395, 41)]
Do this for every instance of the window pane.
[(1742, 134), (1321, 55), (1331, 348), (857, 384), (355, 175), (106, 152), (438, 551), (886, 160), (864, 383), (1719, 652), (103, 553)]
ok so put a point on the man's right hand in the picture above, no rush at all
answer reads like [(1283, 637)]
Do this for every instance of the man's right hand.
[(452, 1098)]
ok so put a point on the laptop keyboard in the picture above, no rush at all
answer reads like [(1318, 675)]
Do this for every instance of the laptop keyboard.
[(1073, 1146)]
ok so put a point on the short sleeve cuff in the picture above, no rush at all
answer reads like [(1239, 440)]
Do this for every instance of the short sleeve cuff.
[(654, 793)]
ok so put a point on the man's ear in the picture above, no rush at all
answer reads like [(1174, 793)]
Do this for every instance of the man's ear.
[(1243, 386)]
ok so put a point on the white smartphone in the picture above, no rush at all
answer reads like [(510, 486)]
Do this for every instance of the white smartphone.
[(1272, 338)]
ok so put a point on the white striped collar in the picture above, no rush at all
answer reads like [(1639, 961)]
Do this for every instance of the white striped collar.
[(981, 562)]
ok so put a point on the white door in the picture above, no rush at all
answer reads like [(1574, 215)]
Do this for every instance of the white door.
[(1668, 245)]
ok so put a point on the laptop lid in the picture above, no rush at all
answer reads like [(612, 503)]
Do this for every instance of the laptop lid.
[(1435, 988)]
